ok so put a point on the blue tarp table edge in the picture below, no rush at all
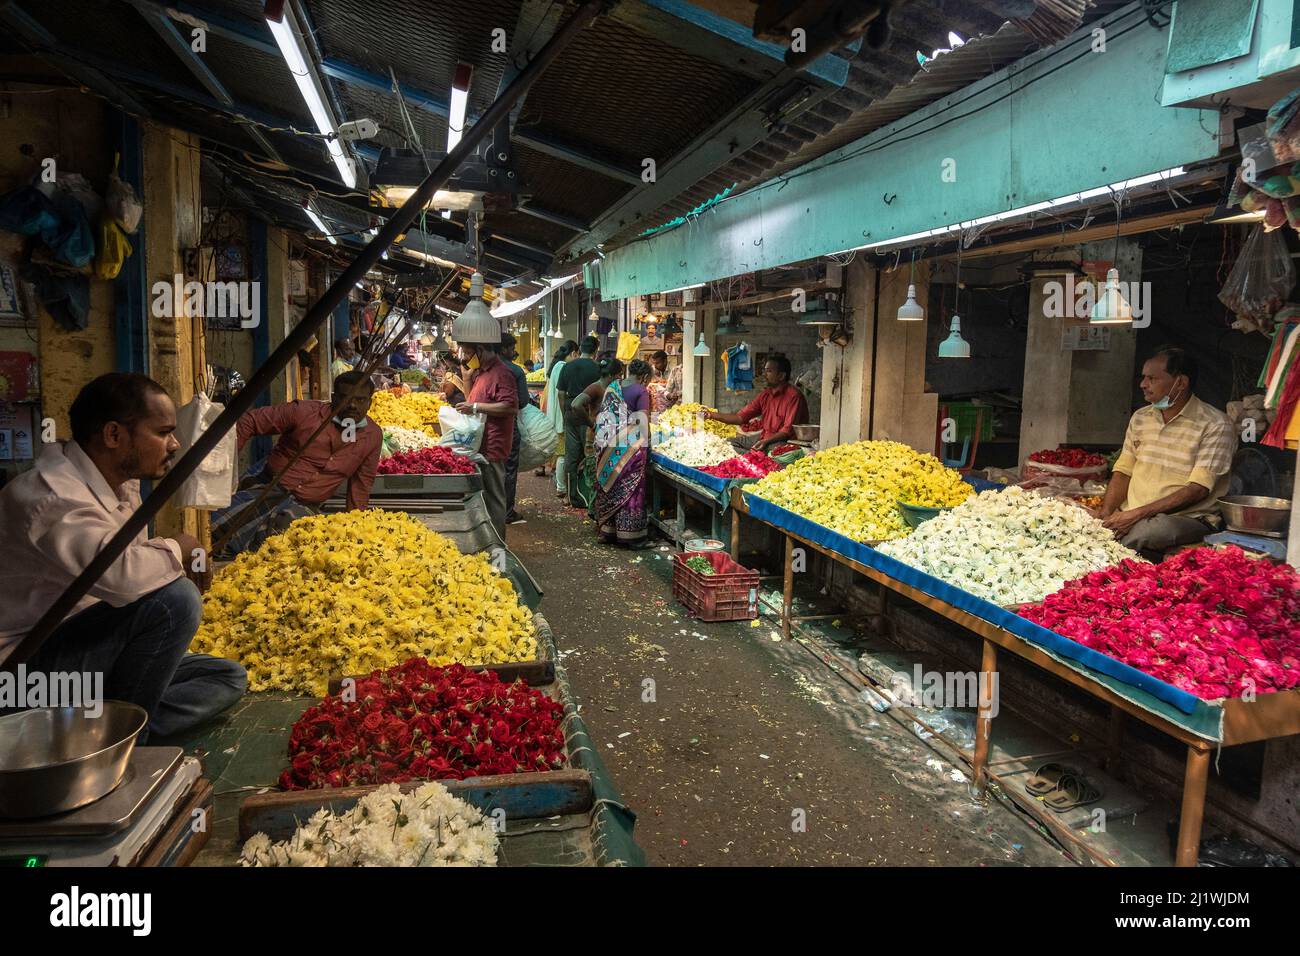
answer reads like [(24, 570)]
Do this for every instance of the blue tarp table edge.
[(1187, 710)]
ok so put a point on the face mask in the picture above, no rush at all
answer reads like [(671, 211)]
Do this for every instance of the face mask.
[(1164, 403)]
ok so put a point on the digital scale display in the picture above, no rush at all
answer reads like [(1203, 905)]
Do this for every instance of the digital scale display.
[(27, 862)]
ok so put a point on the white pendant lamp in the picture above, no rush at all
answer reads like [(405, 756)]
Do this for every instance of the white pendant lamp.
[(1111, 308), (954, 346), (911, 311), (701, 349), (476, 325)]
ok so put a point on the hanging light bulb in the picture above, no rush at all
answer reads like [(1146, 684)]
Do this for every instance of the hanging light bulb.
[(1111, 308), (955, 41), (954, 346), (701, 349), (911, 311)]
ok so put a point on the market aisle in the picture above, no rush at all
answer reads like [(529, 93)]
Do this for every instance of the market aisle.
[(740, 736)]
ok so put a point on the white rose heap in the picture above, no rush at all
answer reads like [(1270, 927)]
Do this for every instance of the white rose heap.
[(697, 449), (1010, 547)]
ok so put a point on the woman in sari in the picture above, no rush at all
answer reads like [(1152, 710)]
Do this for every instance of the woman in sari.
[(622, 458), (551, 406)]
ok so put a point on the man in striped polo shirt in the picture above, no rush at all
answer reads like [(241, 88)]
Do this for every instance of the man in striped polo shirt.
[(1174, 465)]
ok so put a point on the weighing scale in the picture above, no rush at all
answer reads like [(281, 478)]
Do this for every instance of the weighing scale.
[(145, 820)]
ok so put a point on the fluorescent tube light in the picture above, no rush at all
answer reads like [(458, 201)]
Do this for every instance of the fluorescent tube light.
[(295, 55), (319, 223)]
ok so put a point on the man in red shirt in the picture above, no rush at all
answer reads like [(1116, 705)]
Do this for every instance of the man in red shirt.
[(780, 406), (346, 449), (494, 394)]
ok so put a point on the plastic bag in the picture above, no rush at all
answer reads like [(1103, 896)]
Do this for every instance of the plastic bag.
[(213, 482), (460, 429), (123, 204), (628, 343), (113, 249), (537, 439), (1261, 280)]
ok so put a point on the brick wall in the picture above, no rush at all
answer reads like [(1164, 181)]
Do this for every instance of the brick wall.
[(767, 334)]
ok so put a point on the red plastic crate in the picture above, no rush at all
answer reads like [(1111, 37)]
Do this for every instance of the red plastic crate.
[(729, 594)]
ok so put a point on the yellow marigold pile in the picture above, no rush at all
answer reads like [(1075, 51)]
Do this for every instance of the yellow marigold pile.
[(536, 375), (854, 489), (352, 592), (414, 410), (689, 417)]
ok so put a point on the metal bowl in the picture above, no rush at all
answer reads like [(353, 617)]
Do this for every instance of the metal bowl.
[(1253, 514), (55, 759), (807, 432)]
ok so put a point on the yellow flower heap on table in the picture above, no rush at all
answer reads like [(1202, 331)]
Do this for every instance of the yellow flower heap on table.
[(349, 593), (854, 489), (416, 410), (689, 417)]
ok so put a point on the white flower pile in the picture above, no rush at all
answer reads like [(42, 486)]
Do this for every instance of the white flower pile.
[(1010, 547), (401, 440), (697, 449), (426, 827)]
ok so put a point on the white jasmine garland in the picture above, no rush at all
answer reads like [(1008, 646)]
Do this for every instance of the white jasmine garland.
[(698, 449), (1010, 547), (426, 827)]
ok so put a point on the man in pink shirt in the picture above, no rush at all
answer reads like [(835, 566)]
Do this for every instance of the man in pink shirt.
[(493, 394), (346, 449), (136, 622)]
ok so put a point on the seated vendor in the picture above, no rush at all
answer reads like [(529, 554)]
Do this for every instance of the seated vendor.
[(136, 622), (780, 406), (346, 449), (1174, 465)]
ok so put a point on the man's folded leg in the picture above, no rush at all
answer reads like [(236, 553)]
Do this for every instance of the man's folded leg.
[(137, 647), (202, 687)]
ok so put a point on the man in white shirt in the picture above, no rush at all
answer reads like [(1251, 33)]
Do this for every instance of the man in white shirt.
[(138, 619)]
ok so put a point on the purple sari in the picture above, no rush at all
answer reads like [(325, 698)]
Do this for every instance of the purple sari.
[(622, 454)]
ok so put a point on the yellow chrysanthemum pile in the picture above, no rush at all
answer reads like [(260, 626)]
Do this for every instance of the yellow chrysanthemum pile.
[(415, 410), (688, 417), (349, 593), (536, 375), (854, 489)]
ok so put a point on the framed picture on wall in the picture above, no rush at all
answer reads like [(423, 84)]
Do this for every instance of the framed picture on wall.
[(11, 296), (673, 300)]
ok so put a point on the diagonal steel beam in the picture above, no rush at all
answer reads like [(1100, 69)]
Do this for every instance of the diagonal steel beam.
[(167, 32), (539, 141), (568, 222), (42, 41)]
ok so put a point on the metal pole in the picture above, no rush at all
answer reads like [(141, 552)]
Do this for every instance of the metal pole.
[(302, 333)]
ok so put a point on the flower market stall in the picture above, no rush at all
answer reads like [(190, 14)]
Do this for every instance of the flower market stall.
[(1202, 647), (564, 811)]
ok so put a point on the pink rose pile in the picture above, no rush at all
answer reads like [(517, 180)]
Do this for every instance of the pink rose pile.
[(1215, 623)]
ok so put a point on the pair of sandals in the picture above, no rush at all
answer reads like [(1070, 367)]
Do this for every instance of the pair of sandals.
[(1062, 787)]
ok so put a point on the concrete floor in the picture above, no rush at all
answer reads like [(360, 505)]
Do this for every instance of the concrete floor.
[(750, 752)]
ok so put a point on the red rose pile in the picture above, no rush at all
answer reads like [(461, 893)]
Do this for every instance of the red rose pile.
[(437, 460), (1068, 458), (420, 722), (752, 464), (1215, 623)]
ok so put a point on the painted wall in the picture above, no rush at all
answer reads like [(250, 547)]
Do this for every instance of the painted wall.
[(71, 127), (1004, 135)]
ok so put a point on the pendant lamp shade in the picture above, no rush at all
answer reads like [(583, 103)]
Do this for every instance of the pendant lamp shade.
[(911, 311), (1111, 308), (954, 346), (476, 325), (701, 349)]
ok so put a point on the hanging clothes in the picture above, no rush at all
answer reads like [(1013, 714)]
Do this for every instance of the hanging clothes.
[(1289, 337), (738, 368)]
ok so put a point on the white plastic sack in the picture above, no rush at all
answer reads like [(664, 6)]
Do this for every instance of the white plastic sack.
[(537, 438), (460, 429), (214, 481)]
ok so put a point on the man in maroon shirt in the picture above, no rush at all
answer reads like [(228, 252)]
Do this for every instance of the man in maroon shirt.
[(780, 406), (346, 449), (494, 395)]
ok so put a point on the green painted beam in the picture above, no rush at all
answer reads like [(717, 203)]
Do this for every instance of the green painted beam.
[(1054, 123)]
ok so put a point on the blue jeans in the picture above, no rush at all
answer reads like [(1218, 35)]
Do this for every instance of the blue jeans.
[(272, 515), (140, 649)]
